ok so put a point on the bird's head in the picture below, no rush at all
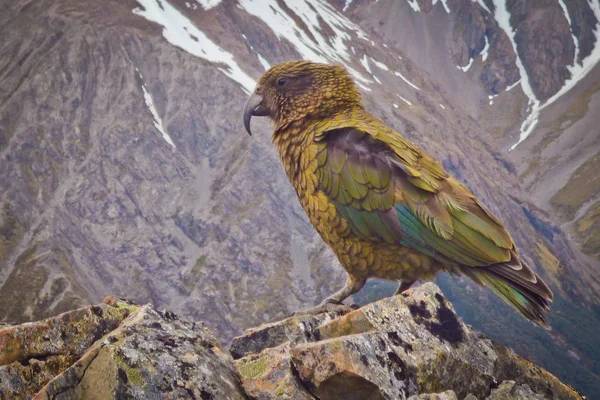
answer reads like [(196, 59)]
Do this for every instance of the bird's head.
[(299, 89)]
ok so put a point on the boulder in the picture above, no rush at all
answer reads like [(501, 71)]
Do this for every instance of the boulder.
[(152, 354), (33, 353), (397, 348), (411, 346)]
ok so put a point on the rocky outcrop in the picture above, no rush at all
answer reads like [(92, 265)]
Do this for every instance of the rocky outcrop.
[(412, 347), (32, 354), (84, 354), (543, 37), (392, 349)]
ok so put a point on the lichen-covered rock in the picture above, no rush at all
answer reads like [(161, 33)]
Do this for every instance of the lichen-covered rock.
[(269, 375), (447, 395), (412, 345), (397, 348), (22, 380), (152, 354), (33, 353), (509, 390), (510, 367), (294, 330)]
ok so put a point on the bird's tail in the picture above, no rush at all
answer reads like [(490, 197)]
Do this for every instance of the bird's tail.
[(517, 285)]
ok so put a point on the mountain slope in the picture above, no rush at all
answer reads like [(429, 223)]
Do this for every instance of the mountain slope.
[(125, 169)]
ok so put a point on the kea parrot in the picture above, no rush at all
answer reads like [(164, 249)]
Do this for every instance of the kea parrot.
[(385, 207)]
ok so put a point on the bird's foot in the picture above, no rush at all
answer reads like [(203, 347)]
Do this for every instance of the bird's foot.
[(403, 294), (403, 288), (326, 307)]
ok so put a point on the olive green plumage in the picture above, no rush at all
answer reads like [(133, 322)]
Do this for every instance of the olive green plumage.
[(386, 207)]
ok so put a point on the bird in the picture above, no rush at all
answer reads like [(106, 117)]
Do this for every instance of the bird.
[(385, 207)]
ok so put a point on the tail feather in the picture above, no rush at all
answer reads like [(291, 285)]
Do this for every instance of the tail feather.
[(517, 285)]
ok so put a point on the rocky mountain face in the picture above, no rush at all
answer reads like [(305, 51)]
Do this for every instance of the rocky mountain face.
[(412, 347), (124, 167)]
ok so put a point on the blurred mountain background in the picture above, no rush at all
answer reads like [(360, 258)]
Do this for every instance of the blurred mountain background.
[(125, 169)]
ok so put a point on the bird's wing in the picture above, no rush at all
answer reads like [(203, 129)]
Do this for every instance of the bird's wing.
[(390, 190)]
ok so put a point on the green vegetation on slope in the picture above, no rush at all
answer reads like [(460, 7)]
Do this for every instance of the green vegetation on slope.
[(587, 230), (583, 185)]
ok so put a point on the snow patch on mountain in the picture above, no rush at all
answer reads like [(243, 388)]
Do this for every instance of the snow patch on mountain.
[(595, 6), (578, 70), (363, 87), (404, 100), (466, 67), (414, 4), (406, 80), (445, 3), (575, 40), (482, 4), (509, 88), (314, 45), (365, 63), (150, 104), (502, 16), (263, 62), (380, 65), (208, 4), (484, 52), (179, 31), (484, 55)]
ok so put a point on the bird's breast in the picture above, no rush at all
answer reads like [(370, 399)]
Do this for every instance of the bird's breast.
[(299, 158)]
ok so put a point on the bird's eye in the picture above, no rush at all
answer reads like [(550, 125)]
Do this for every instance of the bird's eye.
[(282, 82)]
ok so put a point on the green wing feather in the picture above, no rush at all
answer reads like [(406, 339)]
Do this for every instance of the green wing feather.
[(365, 178), (389, 190)]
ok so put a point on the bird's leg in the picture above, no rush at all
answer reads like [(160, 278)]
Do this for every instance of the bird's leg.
[(333, 303), (404, 286)]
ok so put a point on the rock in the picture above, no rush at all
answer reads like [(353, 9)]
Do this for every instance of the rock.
[(32, 354), (23, 380), (265, 368), (295, 330), (447, 395), (270, 375), (545, 44), (396, 348), (412, 347), (509, 390), (152, 354)]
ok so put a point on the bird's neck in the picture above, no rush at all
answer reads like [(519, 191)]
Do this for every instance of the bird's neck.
[(292, 143), (295, 140)]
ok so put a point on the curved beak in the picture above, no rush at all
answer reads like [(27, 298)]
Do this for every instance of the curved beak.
[(253, 107)]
